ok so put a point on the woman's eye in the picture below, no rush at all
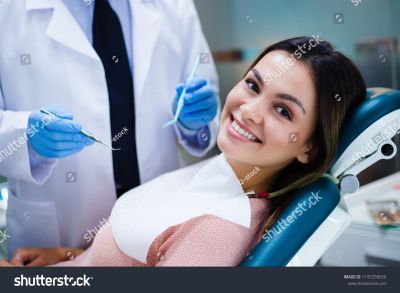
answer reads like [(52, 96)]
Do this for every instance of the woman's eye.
[(252, 86), (284, 112)]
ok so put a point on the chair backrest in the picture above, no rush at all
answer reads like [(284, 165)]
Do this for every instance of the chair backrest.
[(312, 204)]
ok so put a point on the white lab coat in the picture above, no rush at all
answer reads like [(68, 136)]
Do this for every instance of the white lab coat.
[(58, 201)]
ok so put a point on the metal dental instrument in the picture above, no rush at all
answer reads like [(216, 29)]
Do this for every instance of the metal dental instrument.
[(83, 132), (181, 100)]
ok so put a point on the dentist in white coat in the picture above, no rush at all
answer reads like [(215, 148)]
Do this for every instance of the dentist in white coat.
[(60, 191)]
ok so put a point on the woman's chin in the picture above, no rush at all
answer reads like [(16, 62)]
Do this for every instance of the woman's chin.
[(228, 148)]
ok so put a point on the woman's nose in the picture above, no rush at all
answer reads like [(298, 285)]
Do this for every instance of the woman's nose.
[(252, 112)]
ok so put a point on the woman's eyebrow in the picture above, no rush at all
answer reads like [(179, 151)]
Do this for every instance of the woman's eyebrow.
[(258, 76), (292, 99)]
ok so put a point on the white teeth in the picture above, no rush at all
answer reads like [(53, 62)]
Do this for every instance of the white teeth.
[(242, 131)]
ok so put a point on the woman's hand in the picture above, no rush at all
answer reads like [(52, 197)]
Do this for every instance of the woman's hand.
[(5, 263), (32, 257)]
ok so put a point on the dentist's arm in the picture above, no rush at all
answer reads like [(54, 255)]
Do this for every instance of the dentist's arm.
[(197, 132), (30, 142), (15, 153)]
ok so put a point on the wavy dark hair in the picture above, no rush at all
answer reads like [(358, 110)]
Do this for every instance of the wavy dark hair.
[(334, 76)]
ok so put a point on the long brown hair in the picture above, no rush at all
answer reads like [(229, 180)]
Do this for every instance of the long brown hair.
[(340, 88)]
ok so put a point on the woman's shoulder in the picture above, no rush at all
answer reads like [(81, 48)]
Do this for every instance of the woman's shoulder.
[(260, 209), (208, 240), (210, 228)]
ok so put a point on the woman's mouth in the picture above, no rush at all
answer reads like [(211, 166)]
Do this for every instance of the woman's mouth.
[(239, 131)]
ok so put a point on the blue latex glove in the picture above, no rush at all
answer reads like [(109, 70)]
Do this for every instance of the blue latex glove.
[(200, 104), (59, 138)]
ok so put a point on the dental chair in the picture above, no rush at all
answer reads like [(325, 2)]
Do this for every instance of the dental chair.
[(303, 239)]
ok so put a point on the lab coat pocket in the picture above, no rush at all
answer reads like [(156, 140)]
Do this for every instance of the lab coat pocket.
[(31, 224)]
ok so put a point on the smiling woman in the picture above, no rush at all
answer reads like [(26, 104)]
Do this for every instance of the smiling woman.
[(293, 119), (275, 137)]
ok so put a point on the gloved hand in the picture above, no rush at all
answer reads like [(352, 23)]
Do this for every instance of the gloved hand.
[(55, 138), (200, 104)]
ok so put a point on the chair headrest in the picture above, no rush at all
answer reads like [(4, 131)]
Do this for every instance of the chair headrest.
[(377, 119), (378, 103)]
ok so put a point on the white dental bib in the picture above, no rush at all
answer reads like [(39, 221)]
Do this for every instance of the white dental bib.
[(143, 213)]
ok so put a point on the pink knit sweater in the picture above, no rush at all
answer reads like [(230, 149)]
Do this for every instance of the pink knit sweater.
[(205, 240)]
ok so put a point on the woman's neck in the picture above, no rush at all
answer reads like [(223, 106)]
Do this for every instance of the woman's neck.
[(252, 177)]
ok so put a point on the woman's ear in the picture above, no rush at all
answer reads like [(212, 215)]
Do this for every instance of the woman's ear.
[(307, 155)]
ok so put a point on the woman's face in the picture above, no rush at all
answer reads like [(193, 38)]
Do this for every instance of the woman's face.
[(269, 124)]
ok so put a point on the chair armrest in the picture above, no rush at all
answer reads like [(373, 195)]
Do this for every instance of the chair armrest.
[(322, 239)]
